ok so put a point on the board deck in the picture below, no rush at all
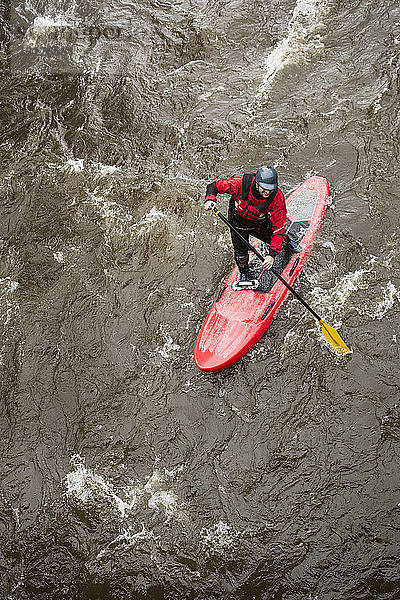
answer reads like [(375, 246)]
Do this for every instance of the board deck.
[(238, 319)]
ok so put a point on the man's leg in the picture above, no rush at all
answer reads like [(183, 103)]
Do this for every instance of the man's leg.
[(240, 251)]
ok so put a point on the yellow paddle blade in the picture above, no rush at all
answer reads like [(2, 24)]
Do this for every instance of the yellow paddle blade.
[(334, 338)]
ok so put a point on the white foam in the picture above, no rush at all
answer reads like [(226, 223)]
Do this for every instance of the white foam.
[(173, 472), (43, 27), (153, 482), (303, 39), (330, 246), (149, 220), (166, 500), (116, 218), (78, 165), (74, 165), (379, 308), (292, 340), (9, 311), (161, 498), (90, 488), (169, 347), (337, 297), (219, 538), (85, 485), (59, 257), (7, 285), (128, 538), (105, 170), (333, 301), (43, 23), (347, 285), (113, 211), (224, 242)]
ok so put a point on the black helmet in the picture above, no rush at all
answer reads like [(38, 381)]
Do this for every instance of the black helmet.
[(267, 178)]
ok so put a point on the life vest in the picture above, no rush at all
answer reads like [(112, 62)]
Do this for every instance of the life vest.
[(246, 211)]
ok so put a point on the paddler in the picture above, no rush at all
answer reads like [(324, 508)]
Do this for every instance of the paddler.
[(257, 207)]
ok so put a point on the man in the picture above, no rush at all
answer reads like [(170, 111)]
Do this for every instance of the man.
[(257, 207)]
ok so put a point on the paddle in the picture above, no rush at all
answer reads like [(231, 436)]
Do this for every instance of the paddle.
[(329, 333)]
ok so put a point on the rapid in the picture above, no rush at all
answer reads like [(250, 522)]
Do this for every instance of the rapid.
[(127, 473)]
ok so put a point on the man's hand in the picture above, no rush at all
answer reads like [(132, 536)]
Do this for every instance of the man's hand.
[(268, 262), (209, 205)]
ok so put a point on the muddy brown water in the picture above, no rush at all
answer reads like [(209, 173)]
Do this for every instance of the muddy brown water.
[(126, 473)]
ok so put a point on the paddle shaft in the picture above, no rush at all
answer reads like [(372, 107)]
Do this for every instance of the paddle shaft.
[(261, 257)]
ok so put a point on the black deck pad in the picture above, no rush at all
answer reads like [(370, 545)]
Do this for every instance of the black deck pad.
[(268, 279), (294, 231)]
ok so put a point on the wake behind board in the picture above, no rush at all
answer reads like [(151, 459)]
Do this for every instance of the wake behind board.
[(239, 316)]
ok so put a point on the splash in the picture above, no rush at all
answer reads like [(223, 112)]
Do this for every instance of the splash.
[(219, 538), (59, 257), (9, 312), (346, 286), (74, 165), (111, 211), (88, 487), (303, 40), (116, 219), (48, 30), (159, 497), (292, 341), (165, 499), (330, 247), (78, 165), (168, 348), (379, 306), (129, 539), (105, 170), (332, 302), (7, 285), (131, 503), (92, 489), (223, 241), (149, 221)]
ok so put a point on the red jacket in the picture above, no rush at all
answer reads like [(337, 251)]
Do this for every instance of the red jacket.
[(276, 210)]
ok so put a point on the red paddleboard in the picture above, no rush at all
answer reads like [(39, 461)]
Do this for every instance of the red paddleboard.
[(239, 317)]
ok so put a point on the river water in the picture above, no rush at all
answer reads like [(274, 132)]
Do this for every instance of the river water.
[(127, 473)]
